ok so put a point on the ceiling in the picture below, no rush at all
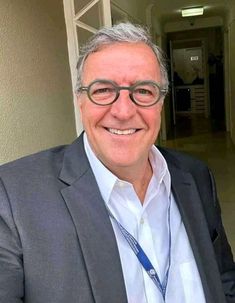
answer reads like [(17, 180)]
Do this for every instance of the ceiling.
[(170, 10)]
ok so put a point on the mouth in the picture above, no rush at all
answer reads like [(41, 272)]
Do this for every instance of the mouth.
[(129, 131)]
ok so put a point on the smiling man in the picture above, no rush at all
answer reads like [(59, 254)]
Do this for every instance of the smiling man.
[(122, 133), (112, 218)]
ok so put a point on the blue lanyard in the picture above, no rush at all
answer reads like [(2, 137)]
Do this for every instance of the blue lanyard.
[(142, 257)]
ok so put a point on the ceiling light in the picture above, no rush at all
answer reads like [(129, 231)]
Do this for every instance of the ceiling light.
[(192, 11)]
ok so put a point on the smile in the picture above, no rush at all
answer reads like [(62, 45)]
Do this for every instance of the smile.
[(122, 132)]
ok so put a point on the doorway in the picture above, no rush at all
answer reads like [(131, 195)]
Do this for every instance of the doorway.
[(197, 82)]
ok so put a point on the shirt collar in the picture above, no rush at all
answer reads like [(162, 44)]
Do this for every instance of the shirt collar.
[(106, 179), (160, 168)]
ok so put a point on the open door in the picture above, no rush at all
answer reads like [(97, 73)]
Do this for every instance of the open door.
[(189, 81)]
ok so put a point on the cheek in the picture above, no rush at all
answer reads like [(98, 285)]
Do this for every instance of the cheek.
[(154, 118), (91, 114)]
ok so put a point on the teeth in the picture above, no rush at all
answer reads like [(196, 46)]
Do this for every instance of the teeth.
[(122, 132)]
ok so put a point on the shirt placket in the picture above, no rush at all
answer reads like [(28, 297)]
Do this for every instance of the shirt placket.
[(145, 239)]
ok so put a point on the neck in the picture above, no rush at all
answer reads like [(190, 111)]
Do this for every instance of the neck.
[(139, 179)]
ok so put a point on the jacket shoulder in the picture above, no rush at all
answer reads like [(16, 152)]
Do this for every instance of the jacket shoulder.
[(182, 160), (43, 161)]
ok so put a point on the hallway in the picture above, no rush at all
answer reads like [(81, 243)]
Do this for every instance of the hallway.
[(203, 139)]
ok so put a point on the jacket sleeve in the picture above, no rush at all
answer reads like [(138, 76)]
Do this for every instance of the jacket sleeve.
[(223, 252), (11, 270)]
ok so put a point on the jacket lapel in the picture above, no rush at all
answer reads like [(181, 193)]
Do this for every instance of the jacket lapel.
[(97, 240), (93, 226), (190, 206)]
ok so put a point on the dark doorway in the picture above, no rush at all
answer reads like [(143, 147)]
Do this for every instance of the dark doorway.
[(197, 99)]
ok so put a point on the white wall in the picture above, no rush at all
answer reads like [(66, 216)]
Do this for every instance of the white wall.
[(137, 11), (232, 71), (230, 68), (36, 109), (196, 23)]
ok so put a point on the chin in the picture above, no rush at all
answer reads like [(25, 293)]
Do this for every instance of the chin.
[(122, 162)]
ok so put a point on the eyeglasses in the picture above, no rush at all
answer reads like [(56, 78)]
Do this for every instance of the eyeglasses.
[(106, 92)]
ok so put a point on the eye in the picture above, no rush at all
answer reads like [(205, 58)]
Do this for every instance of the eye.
[(143, 91), (102, 90)]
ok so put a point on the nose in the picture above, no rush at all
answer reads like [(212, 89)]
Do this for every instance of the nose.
[(123, 108)]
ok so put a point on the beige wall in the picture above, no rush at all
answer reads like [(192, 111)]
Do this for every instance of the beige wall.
[(36, 107)]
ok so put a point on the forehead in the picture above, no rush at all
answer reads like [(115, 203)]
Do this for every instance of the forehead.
[(122, 59)]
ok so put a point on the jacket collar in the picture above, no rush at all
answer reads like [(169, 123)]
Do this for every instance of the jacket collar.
[(75, 162), (93, 226)]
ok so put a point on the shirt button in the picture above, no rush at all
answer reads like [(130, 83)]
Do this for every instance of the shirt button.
[(142, 221)]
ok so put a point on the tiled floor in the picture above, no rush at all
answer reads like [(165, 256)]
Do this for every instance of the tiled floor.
[(202, 139)]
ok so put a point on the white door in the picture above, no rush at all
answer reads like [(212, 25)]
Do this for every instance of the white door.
[(83, 18)]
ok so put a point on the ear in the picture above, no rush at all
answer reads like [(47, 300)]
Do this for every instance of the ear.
[(161, 103), (79, 103), (79, 100)]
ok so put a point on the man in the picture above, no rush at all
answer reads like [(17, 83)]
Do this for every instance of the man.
[(111, 218)]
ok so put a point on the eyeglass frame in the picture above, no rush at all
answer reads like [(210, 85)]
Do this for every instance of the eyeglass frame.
[(162, 91)]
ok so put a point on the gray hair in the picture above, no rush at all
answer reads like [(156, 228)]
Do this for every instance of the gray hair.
[(122, 32)]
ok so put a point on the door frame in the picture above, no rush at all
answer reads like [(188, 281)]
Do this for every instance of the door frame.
[(73, 20)]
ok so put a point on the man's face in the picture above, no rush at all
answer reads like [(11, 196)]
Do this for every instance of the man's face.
[(122, 133)]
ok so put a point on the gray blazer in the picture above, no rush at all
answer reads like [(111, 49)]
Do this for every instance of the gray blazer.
[(57, 244)]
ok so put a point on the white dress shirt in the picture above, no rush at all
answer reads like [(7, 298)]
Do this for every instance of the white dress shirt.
[(148, 223)]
